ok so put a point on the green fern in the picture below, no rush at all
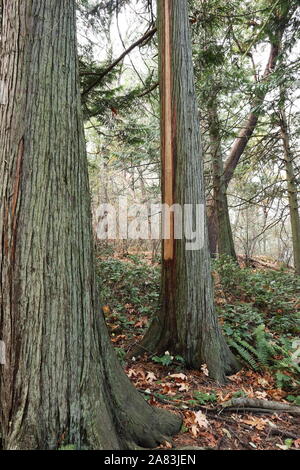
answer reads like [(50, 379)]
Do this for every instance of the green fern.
[(245, 355), (282, 380), (246, 345), (265, 350), (258, 356)]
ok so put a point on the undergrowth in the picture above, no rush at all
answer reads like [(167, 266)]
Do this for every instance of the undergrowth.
[(129, 281), (261, 320), (260, 315)]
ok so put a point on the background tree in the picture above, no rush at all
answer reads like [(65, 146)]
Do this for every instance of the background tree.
[(226, 45), (291, 180)]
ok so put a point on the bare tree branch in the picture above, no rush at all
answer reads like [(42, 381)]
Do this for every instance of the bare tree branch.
[(96, 82)]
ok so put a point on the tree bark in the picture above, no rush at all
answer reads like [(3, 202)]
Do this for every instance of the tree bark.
[(223, 232), (187, 323), (61, 382)]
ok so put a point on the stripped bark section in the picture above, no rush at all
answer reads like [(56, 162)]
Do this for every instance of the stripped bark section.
[(167, 133)]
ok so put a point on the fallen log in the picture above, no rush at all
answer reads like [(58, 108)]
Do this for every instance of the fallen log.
[(265, 264)]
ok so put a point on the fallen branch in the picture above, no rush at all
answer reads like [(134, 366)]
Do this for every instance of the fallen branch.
[(251, 404), (264, 263), (281, 432)]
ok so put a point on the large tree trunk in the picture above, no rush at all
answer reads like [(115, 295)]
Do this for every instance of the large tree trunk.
[(291, 185), (187, 323), (61, 382)]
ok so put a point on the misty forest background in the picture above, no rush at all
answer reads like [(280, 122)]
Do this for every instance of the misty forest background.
[(231, 54)]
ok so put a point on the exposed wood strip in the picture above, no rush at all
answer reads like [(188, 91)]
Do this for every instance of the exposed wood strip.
[(168, 166)]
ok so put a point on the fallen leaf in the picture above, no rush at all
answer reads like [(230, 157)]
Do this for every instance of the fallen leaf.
[(226, 432), (183, 387), (236, 378), (276, 394), (261, 395), (168, 389), (117, 338), (258, 423), (106, 310), (211, 441), (141, 323), (178, 376), (131, 373), (222, 398), (282, 446), (263, 382), (297, 443), (152, 400), (166, 445), (150, 377), (194, 429), (201, 420)]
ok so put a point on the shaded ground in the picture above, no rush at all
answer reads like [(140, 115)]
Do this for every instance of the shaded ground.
[(208, 424), (132, 291)]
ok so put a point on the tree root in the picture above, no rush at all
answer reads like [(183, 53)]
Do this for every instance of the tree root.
[(260, 406)]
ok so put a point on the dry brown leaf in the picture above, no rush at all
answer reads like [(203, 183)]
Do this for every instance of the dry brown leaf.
[(255, 422), (117, 338), (276, 393), (211, 441), (236, 378), (152, 400), (166, 445), (222, 398), (106, 309), (297, 443), (131, 373), (178, 376), (261, 395), (168, 389), (201, 419), (194, 430), (263, 382), (141, 323), (150, 377), (183, 387)]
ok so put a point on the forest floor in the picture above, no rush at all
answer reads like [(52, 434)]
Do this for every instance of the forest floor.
[(131, 291)]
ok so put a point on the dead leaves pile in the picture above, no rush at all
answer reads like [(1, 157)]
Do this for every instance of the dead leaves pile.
[(207, 425)]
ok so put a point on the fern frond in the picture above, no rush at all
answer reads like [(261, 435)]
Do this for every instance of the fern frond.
[(245, 355), (265, 350)]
